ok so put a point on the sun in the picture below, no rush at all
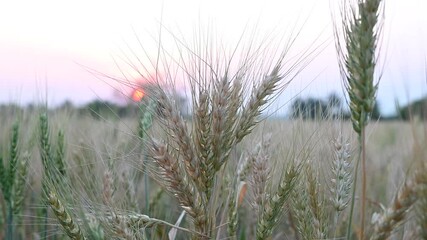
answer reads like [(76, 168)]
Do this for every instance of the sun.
[(138, 94)]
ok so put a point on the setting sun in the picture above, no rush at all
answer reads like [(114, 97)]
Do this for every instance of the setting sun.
[(138, 94)]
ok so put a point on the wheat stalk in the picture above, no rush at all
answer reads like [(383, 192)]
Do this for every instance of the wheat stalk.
[(357, 63)]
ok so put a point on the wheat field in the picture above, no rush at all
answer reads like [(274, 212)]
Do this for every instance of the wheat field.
[(106, 188)]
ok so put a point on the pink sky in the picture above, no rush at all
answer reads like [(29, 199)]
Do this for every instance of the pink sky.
[(45, 44)]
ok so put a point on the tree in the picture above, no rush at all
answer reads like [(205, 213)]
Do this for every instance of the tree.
[(414, 109), (311, 108), (376, 113)]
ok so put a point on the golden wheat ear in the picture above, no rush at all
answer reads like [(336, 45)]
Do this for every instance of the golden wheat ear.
[(65, 219)]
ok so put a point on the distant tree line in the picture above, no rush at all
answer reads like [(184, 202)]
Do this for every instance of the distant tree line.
[(99, 109), (332, 106), (317, 108), (416, 109), (306, 108), (105, 110)]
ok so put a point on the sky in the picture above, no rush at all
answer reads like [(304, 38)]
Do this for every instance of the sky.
[(54, 50)]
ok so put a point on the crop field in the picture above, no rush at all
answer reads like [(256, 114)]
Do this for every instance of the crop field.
[(102, 182), (220, 166)]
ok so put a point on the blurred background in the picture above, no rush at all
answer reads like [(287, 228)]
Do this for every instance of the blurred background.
[(66, 53)]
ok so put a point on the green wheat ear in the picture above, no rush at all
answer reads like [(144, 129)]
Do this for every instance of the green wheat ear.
[(273, 209), (20, 183), (60, 153), (3, 177), (7, 180), (14, 154), (48, 163), (146, 119), (357, 60), (7, 172), (45, 146)]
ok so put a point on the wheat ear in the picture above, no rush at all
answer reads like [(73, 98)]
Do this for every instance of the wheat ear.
[(69, 225), (308, 204), (421, 207), (258, 99), (395, 214), (20, 183), (273, 208), (357, 63), (177, 183)]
